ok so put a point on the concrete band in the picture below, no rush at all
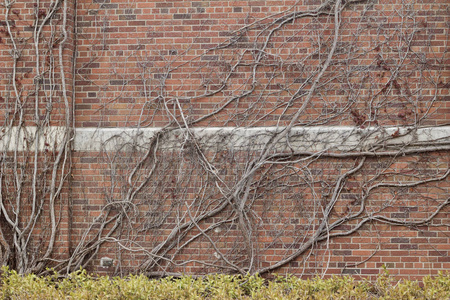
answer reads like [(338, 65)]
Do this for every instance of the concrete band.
[(336, 138)]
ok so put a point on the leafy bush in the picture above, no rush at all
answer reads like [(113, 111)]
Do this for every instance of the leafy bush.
[(81, 285)]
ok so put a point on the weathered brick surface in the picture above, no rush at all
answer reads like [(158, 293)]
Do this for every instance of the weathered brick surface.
[(283, 214), (138, 60)]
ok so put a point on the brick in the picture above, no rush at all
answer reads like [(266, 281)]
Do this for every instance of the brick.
[(351, 271), (400, 240)]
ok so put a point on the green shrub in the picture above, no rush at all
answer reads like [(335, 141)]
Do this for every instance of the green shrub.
[(81, 285)]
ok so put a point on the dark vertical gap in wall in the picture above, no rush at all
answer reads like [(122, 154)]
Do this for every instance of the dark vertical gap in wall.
[(74, 62)]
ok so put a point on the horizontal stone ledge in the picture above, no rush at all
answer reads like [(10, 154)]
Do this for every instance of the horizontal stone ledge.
[(319, 138)]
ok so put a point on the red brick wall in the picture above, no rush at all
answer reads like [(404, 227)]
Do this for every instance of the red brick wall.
[(126, 49), (283, 216), (123, 45), (31, 94), (136, 63)]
